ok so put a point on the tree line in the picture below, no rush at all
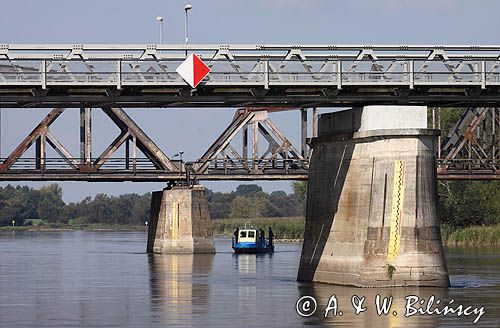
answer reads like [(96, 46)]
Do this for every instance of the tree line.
[(23, 204), (461, 204)]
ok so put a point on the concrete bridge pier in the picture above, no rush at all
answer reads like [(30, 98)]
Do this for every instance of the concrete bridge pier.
[(180, 222), (371, 216)]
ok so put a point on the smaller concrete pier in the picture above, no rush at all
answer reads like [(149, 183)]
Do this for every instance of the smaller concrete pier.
[(180, 222), (371, 216)]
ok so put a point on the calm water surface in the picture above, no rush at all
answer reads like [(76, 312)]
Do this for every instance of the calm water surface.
[(100, 279)]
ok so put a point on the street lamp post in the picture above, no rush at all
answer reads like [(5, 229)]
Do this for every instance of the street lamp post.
[(160, 20), (179, 154), (187, 8)]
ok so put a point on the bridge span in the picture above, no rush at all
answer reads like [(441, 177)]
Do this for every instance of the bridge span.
[(144, 75), (372, 170), (258, 78), (251, 147)]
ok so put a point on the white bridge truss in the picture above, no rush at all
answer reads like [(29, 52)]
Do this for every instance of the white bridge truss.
[(243, 75)]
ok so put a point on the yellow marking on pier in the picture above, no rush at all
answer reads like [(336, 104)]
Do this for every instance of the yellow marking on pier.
[(175, 220), (398, 193)]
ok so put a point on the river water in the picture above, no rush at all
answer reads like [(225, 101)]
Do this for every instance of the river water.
[(105, 279)]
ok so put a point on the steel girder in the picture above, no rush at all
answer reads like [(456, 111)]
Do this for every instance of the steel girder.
[(280, 156), (472, 148), (246, 75), (69, 167), (280, 161), (471, 151)]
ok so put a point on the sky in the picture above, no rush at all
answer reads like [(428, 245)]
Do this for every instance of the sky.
[(220, 22)]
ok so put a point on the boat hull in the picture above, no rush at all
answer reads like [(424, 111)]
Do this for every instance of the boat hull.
[(252, 248), (256, 250)]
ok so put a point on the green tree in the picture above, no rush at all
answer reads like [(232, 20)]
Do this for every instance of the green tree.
[(50, 204), (248, 190), (220, 204), (300, 195), (256, 206), (466, 203), (283, 204), (241, 208)]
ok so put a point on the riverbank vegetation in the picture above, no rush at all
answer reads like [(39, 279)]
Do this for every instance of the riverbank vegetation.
[(44, 208), (469, 211), (471, 236), (283, 228)]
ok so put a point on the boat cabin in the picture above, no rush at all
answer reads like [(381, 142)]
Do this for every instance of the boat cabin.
[(247, 236), (252, 240)]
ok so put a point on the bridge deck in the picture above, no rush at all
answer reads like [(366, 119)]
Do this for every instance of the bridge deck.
[(122, 169), (247, 75)]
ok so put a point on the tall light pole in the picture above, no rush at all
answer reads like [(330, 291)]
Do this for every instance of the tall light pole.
[(180, 153), (160, 20), (187, 8)]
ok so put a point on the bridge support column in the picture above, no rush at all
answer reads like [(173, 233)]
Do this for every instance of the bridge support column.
[(371, 205), (180, 222)]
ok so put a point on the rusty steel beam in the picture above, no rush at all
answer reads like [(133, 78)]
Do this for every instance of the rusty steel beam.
[(113, 147), (40, 151), (239, 122), (278, 147), (144, 143), (471, 152), (471, 145), (61, 150), (303, 132), (470, 177), (138, 177), (85, 138), (32, 137)]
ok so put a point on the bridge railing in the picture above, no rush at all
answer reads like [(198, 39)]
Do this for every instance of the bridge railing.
[(144, 165), (266, 72), (469, 166)]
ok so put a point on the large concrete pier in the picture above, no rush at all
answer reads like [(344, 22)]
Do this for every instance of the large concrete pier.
[(180, 222), (371, 204)]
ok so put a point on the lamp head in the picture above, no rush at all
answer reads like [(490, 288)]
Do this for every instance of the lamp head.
[(188, 7)]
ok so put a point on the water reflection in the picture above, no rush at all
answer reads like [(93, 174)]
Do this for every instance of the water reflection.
[(105, 280), (369, 318), (179, 286)]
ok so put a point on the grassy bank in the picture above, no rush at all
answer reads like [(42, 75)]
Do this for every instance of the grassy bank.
[(293, 228), (283, 228), (471, 236), (72, 227)]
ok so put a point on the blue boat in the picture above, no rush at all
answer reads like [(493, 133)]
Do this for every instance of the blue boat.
[(252, 241)]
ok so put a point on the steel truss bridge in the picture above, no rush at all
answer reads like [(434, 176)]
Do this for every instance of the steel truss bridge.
[(470, 151), (249, 75), (257, 78)]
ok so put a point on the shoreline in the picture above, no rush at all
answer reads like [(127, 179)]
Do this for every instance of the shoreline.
[(117, 229), (68, 229), (474, 236)]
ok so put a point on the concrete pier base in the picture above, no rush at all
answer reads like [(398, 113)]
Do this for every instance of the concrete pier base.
[(371, 216), (180, 222)]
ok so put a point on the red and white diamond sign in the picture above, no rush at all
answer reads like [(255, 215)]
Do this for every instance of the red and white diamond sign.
[(193, 70)]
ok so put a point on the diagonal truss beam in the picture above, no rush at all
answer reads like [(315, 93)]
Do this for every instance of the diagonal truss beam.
[(61, 150), (35, 135), (240, 120), (473, 142), (278, 146), (144, 143), (130, 131)]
